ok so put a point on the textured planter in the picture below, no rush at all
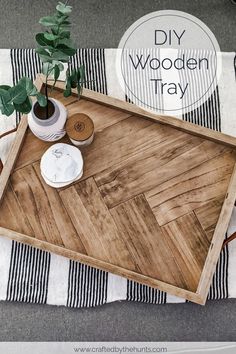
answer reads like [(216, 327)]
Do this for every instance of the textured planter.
[(51, 129)]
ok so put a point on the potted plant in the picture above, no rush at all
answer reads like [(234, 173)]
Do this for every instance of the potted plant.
[(46, 116)]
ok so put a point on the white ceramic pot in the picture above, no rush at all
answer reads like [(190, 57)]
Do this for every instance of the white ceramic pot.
[(50, 129)]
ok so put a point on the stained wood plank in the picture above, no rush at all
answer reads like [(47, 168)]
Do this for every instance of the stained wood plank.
[(102, 116), (119, 144), (168, 159), (43, 207), (12, 215), (58, 95), (63, 222), (125, 129), (191, 189), (95, 225), (33, 150), (189, 243), (208, 215), (146, 242)]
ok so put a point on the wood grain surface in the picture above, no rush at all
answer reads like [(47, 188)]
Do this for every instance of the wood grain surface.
[(147, 207)]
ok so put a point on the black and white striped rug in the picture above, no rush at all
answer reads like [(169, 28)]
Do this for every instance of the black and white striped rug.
[(31, 275)]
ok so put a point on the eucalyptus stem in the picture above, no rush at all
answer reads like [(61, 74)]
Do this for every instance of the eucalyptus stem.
[(46, 93), (55, 48)]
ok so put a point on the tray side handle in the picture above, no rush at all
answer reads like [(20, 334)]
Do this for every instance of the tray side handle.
[(1, 166), (8, 132), (229, 239)]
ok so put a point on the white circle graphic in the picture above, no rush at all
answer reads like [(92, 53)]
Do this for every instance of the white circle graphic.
[(168, 61)]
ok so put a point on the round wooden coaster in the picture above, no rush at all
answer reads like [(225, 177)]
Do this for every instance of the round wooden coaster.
[(79, 127)]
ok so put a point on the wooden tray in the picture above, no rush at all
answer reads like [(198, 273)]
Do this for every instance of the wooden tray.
[(153, 205)]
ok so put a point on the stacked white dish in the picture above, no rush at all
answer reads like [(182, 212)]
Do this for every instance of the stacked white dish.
[(61, 165)]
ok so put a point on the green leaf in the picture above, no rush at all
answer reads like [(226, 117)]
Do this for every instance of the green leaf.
[(61, 66), (24, 107), (41, 100), (28, 85), (66, 50), (42, 51), (18, 94), (44, 55), (49, 49), (81, 72), (67, 91), (56, 72), (65, 24), (7, 109), (5, 87), (73, 78), (54, 30), (64, 34), (42, 40), (34, 91), (67, 42), (48, 21), (5, 105), (60, 56), (79, 90), (51, 36), (65, 27), (62, 19), (47, 68), (74, 83), (64, 9), (4, 94)]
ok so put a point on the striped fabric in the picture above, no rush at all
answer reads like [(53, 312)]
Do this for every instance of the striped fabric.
[(143, 293), (219, 287), (84, 281), (208, 114), (31, 275), (28, 274)]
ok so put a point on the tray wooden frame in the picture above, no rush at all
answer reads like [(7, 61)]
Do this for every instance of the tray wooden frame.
[(221, 227)]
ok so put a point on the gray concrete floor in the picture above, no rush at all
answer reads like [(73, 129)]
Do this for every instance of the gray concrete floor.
[(120, 321), (100, 23)]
